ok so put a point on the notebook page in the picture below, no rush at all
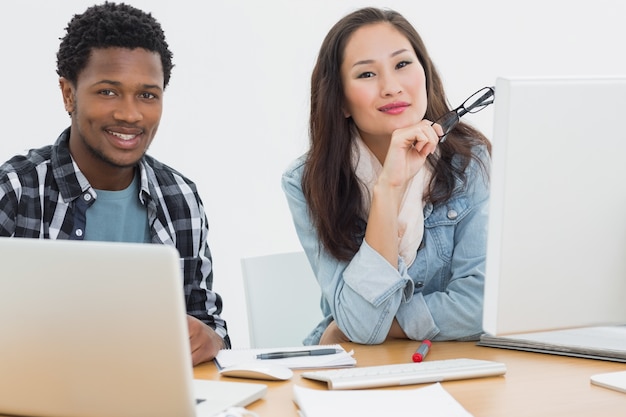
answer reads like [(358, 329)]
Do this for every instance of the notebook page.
[(231, 357)]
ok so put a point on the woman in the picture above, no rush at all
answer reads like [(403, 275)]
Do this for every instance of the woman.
[(393, 221)]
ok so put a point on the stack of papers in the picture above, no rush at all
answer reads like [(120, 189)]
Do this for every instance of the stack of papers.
[(430, 401), (231, 357)]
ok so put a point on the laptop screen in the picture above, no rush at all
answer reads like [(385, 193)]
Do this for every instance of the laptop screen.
[(93, 329)]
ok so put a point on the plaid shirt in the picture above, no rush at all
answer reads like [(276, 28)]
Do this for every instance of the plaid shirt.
[(44, 195)]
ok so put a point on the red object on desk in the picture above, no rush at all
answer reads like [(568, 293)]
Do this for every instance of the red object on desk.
[(421, 351)]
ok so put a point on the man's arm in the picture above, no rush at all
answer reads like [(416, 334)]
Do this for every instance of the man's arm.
[(180, 220), (207, 330)]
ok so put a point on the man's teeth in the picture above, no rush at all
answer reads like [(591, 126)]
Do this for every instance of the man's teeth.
[(123, 136)]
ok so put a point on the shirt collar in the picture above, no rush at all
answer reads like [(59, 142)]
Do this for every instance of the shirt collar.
[(71, 181)]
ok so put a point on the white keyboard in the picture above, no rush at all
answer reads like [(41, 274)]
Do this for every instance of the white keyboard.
[(406, 373)]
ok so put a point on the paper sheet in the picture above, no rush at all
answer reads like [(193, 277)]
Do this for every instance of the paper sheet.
[(429, 401)]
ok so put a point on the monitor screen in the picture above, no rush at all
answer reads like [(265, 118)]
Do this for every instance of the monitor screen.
[(557, 227)]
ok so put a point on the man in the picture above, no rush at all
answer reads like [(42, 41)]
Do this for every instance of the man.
[(96, 181)]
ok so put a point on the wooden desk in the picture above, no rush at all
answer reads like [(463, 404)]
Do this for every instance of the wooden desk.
[(535, 384)]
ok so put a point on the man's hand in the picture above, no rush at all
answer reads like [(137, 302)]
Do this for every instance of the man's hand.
[(204, 342)]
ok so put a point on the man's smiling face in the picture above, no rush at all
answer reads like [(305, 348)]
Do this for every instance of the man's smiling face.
[(116, 107)]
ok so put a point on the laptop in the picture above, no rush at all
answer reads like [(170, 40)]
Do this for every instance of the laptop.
[(98, 329), (556, 266)]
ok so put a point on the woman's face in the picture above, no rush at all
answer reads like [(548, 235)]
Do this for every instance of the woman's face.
[(384, 82)]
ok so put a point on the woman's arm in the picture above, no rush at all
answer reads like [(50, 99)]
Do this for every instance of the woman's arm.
[(362, 295), (404, 158)]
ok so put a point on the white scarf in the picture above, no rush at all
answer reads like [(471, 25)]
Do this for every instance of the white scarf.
[(411, 215)]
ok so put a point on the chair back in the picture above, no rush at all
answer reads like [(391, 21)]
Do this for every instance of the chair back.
[(283, 299)]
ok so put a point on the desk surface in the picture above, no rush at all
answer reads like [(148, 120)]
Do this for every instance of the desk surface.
[(535, 384)]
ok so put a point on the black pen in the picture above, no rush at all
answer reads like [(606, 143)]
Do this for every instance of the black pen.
[(294, 353)]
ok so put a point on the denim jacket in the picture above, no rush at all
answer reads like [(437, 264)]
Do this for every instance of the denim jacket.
[(439, 297)]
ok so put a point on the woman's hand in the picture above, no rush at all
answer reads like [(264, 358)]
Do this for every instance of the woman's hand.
[(408, 149)]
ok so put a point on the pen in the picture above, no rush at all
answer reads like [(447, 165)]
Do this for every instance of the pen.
[(291, 354), (422, 351)]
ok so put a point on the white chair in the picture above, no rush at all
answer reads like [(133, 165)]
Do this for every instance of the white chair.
[(282, 297)]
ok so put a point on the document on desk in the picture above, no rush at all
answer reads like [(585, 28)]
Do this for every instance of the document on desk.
[(294, 357), (430, 401), (597, 342)]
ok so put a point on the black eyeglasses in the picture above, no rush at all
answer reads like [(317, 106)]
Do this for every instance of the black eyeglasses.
[(475, 103)]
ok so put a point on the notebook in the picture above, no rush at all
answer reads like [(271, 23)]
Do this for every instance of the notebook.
[(236, 357), (95, 329), (556, 245)]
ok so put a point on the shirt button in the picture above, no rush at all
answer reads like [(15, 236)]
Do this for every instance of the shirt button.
[(79, 232), (452, 214), (87, 196), (419, 284)]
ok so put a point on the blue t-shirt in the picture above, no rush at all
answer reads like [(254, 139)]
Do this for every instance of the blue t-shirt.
[(118, 216)]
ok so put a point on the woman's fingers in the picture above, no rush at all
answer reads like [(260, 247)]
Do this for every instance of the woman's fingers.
[(423, 137), (408, 150)]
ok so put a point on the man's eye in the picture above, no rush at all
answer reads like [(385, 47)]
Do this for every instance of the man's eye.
[(147, 96), (107, 92)]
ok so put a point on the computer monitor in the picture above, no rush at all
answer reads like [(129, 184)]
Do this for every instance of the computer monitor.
[(557, 228)]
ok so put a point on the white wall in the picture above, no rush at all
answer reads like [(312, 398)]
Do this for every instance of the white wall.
[(236, 108)]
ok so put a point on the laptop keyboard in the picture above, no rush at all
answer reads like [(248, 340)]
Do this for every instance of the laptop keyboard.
[(406, 373)]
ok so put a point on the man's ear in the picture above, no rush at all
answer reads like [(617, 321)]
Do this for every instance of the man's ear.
[(68, 93)]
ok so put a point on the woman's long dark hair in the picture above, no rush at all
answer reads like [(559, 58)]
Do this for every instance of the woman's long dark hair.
[(330, 185)]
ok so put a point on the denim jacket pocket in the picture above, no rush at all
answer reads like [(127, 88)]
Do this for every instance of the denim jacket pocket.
[(441, 222), (439, 229)]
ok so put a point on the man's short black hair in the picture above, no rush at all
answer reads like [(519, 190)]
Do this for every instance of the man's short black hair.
[(110, 25)]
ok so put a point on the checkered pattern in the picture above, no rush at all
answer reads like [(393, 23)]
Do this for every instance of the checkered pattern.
[(44, 195)]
